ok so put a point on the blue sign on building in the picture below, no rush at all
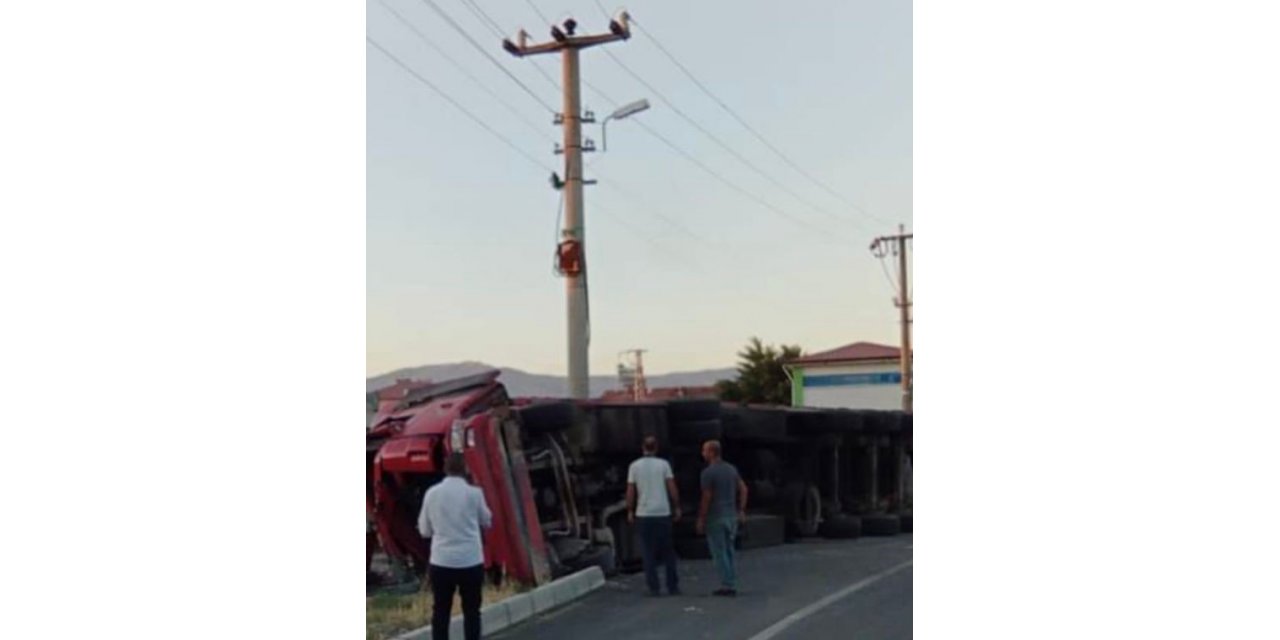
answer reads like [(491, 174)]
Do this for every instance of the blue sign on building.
[(853, 379)]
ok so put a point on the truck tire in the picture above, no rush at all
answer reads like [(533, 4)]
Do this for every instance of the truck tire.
[(841, 526), (804, 508), (881, 525)]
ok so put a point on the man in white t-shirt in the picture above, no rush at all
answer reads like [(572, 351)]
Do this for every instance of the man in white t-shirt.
[(651, 495), (453, 515)]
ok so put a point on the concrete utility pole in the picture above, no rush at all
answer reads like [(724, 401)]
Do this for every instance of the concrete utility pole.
[(572, 254), (903, 303)]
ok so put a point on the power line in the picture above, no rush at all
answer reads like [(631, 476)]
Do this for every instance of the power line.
[(884, 267), (482, 50), (686, 155), (639, 232), (521, 151), (606, 13), (725, 146), (778, 152), (515, 111), (652, 210), (644, 206), (455, 103), (483, 17), (716, 139), (617, 218), (759, 200), (542, 72), (541, 15), (643, 236), (498, 31)]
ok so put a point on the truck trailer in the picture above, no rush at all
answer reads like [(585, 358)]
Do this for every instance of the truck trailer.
[(553, 472)]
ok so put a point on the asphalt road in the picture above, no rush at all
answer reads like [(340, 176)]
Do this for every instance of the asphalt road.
[(851, 589)]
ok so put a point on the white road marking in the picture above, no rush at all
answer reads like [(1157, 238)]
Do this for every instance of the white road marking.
[(782, 624)]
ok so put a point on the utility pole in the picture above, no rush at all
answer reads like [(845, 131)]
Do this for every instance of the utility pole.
[(639, 388), (571, 253), (631, 374), (898, 244)]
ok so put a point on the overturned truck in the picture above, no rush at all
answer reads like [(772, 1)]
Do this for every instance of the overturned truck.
[(554, 472)]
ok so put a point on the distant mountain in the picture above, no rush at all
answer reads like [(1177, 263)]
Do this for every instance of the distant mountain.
[(521, 383)]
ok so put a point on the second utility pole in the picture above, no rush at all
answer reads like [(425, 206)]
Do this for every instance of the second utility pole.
[(904, 307), (572, 255)]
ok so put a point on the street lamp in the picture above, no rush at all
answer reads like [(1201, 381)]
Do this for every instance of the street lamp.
[(624, 111)]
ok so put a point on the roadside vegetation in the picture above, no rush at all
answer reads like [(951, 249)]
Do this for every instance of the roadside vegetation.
[(761, 378), (388, 615)]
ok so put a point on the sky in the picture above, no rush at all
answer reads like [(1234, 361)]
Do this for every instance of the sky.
[(461, 228)]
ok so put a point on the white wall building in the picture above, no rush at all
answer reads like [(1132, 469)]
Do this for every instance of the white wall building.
[(861, 375)]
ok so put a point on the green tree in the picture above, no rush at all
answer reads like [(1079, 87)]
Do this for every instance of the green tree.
[(760, 375)]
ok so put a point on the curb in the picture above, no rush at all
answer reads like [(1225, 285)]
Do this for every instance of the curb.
[(518, 608)]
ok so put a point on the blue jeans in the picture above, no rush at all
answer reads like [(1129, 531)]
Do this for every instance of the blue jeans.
[(721, 531), (656, 548)]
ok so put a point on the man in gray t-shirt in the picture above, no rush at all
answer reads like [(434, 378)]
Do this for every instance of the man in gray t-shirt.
[(723, 507)]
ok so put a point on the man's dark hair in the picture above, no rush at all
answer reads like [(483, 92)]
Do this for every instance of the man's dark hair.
[(650, 444), (455, 464)]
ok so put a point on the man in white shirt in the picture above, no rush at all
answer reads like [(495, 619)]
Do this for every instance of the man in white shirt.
[(649, 485), (453, 512)]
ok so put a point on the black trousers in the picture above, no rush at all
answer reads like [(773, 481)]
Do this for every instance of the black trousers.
[(467, 581), (657, 547)]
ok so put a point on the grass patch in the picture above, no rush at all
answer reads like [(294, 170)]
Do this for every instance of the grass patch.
[(387, 615)]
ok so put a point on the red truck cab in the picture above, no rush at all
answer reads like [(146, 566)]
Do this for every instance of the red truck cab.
[(406, 446)]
